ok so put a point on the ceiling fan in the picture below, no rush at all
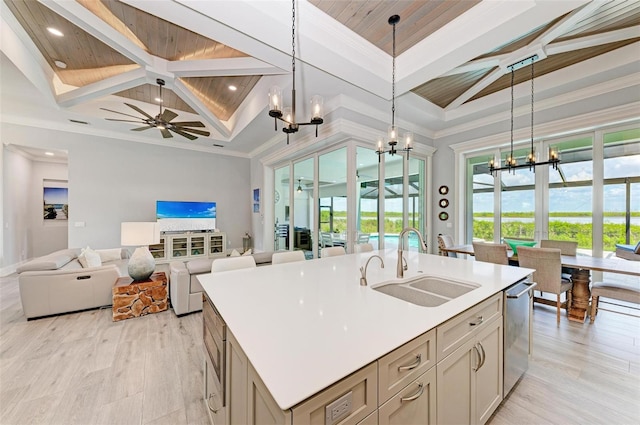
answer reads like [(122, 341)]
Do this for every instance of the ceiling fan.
[(162, 121)]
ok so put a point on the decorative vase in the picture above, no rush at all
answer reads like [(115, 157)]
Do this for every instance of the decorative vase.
[(141, 264)]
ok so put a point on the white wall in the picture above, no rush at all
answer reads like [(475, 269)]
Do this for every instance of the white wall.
[(27, 235), (111, 181)]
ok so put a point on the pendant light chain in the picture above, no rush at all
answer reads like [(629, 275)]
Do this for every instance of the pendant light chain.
[(532, 156), (393, 79), (293, 41), (511, 154)]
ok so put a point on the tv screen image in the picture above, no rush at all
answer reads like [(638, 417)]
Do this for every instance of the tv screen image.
[(185, 215)]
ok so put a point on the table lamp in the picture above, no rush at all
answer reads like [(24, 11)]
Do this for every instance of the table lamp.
[(140, 234)]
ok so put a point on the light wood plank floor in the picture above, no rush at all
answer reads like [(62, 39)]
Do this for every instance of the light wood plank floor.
[(82, 368)]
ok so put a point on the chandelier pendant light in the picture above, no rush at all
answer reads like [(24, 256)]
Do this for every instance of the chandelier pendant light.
[(393, 130), (299, 189), (510, 162), (288, 114)]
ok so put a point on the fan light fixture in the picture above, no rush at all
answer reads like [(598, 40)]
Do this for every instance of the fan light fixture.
[(163, 121), (510, 162), (393, 130), (299, 189), (288, 114)]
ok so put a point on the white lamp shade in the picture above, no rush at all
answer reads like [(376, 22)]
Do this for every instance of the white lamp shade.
[(139, 233)]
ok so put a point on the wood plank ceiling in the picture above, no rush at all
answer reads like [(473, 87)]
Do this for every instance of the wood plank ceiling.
[(89, 60)]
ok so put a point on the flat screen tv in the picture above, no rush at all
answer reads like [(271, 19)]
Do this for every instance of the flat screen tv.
[(174, 216)]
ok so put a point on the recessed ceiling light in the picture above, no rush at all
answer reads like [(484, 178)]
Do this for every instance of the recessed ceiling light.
[(49, 153), (233, 88), (157, 99), (60, 64), (55, 31)]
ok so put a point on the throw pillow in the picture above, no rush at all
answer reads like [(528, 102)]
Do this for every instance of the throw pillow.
[(247, 252), (234, 253), (89, 258), (113, 254), (515, 244)]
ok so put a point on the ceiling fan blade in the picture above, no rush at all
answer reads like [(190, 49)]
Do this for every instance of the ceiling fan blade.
[(188, 124), (183, 134), (139, 110), (168, 115), (165, 133), (121, 113), (114, 119), (193, 130), (147, 127)]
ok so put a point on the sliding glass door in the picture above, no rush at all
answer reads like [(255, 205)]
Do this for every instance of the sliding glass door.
[(332, 198)]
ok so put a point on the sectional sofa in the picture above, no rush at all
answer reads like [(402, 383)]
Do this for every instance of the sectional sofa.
[(185, 290), (59, 283)]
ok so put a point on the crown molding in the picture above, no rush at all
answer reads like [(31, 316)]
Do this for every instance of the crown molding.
[(618, 115)]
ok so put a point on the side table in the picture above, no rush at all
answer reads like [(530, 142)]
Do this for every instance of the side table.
[(135, 299)]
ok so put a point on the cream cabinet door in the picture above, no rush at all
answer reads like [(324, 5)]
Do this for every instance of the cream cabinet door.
[(236, 393), (415, 404), (488, 377), (456, 385)]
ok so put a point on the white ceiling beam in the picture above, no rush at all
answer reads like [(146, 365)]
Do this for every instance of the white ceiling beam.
[(476, 65), (568, 22), (222, 67), (476, 88), (483, 28), (181, 90), (102, 88), (593, 40), (87, 21)]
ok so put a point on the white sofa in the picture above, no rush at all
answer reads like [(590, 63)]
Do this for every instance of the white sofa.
[(185, 289), (57, 283)]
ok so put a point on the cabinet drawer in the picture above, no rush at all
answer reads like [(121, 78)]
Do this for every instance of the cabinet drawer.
[(398, 368), (414, 404), (362, 387), (453, 333)]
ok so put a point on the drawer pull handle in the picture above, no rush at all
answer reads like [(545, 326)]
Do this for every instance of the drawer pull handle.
[(83, 277), (483, 356), (414, 396), (213, 409), (476, 322), (478, 357), (411, 366)]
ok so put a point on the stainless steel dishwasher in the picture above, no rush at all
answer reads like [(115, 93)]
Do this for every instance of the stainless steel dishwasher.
[(517, 331)]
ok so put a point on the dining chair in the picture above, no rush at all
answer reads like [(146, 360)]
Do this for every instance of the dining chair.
[(566, 248), (363, 238), (491, 252), (326, 239), (446, 241), (232, 263), (548, 274), (287, 257), (332, 251), (362, 247)]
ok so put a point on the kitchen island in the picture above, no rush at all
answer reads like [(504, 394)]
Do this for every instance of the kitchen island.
[(303, 327)]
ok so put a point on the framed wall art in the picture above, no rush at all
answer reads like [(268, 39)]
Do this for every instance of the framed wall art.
[(55, 199)]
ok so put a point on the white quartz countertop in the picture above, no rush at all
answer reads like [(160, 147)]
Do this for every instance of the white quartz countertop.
[(306, 325)]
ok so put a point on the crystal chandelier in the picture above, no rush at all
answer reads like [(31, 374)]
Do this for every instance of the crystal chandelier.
[(288, 114), (510, 162), (393, 130)]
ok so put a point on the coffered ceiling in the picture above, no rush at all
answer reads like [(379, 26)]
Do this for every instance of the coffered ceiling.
[(450, 54)]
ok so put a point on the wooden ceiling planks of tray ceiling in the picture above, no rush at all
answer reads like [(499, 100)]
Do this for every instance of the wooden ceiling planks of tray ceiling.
[(89, 60), (418, 19), (610, 17)]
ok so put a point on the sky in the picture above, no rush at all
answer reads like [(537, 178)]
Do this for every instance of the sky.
[(56, 195)]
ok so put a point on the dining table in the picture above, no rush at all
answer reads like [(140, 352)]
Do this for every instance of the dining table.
[(582, 265)]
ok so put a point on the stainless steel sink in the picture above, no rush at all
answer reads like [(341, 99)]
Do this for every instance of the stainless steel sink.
[(425, 291)]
